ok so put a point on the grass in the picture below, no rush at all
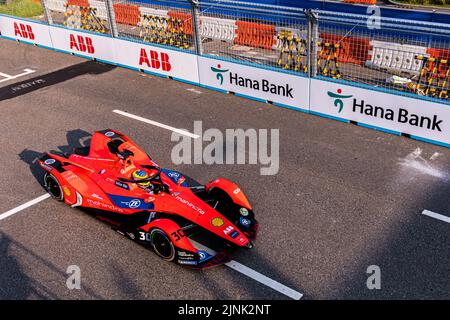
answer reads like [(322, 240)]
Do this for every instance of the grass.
[(444, 3), (22, 8)]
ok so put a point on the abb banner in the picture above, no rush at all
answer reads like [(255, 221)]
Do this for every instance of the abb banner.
[(24, 30), (83, 43), (259, 83), (424, 119), (181, 65)]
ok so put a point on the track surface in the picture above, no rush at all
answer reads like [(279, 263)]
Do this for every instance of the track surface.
[(345, 197)]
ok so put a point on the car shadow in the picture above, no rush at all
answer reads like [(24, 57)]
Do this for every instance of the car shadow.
[(52, 78), (124, 283), (75, 139), (14, 283)]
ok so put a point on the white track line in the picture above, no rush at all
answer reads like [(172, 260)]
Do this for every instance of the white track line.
[(436, 215), (194, 90), (5, 75), (9, 77), (157, 124), (281, 288), (23, 206), (232, 264)]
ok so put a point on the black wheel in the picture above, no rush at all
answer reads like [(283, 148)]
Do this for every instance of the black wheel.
[(162, 245), (52, 186)]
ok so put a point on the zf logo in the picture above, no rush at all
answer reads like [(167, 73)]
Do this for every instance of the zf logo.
[(23, 30), (156, 61), (82, 44), (134, 203)]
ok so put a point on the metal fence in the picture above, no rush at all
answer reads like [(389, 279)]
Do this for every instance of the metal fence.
[(402, 55)]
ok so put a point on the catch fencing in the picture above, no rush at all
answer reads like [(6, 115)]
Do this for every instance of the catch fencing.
[(302, 59), (402, 55)]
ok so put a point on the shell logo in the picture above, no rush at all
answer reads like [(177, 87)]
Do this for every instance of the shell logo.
[(67, 191), (217, 222)]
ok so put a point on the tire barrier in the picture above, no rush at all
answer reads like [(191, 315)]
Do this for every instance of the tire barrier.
[(57, 5), (218, 29), (163, 30), (395, 57), (79, 3), (183, 22), (351, 49), (434, 76), (127, 14), (293, 51), (82, 17), (100, 7), (256, 35), (441, 53), (327, 60)]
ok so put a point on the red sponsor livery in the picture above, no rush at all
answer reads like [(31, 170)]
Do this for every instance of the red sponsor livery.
[(152, 205), (82, 44), (156, 61), (24, 31)]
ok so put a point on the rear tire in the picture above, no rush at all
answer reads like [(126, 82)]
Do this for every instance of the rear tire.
[(53, 187), (162, 245)]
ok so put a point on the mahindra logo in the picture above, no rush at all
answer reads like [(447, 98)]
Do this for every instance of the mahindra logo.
[(190, 205), (219, 71), (82, 44), (338, 98), (156, 61), (24, 31)]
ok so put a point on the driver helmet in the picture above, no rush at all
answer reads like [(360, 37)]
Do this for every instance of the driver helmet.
[(141, 175)]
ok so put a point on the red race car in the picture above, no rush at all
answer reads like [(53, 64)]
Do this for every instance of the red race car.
[(157, 207)]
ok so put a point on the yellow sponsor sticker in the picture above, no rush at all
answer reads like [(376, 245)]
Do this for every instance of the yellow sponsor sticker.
[(67, 191), (217, 222)]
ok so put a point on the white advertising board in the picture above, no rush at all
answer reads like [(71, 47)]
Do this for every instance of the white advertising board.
[(402, 114), (174, 63), (83, 43), (25, 30), (255, 82)]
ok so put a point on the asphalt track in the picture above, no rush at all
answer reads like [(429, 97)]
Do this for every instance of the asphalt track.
[(345, 197)]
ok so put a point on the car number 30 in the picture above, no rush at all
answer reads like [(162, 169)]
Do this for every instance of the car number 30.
[(144, 236)]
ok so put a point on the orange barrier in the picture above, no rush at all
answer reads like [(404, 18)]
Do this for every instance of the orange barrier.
[(361, 1), (186, 20), (440, 59), (351, 49), (254, 34), (441, 56), (80, 3), (127, 14), (439, 53)]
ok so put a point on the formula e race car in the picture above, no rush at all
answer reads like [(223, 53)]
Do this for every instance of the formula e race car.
[(181, 220)]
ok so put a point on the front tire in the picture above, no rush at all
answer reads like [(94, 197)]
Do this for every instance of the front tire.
[(162, 245), (53, 187)]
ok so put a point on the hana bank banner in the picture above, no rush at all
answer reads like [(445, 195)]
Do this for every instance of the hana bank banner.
[(402, 114), (258, 83)]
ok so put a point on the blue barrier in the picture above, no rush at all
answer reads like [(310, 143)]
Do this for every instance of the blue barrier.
[(387, 12)]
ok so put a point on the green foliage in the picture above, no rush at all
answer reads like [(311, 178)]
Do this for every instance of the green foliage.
[(427, 2), (22, 8)]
